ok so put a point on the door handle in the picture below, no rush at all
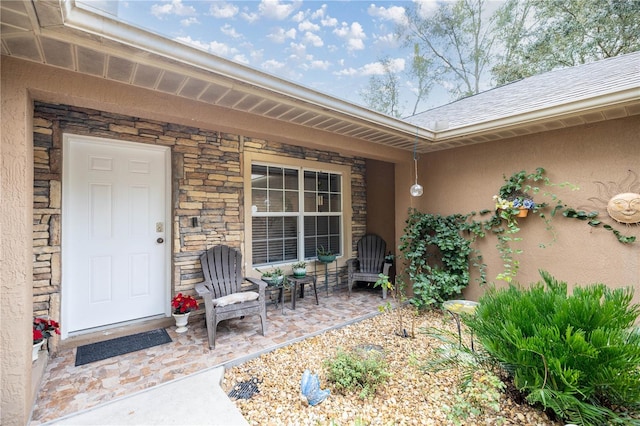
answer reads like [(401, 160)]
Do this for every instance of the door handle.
[(160, 240)]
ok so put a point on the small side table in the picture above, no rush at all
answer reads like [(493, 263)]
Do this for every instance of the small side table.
[(310, 279), (455, 308)]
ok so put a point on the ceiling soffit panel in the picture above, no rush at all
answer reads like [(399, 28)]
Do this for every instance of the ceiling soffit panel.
[(170, 82), (230, 98), (91, 61), (24, 46), (212, 93), (248, 102), (15, 20), (119, 69), (146, 76), (193, 88), (58, 53)]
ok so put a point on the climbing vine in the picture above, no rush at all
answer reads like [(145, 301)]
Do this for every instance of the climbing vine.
[(438, 248)]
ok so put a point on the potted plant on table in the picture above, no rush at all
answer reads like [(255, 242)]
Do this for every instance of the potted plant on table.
[(182, 306), (325, 256), (275, 277), (43, 328), (299, 269)]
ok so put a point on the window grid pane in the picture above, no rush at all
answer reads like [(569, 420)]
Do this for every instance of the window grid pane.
[(276, 192)]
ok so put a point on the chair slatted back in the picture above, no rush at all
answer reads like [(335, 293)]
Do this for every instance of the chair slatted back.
[(371, 252), (222, 269)]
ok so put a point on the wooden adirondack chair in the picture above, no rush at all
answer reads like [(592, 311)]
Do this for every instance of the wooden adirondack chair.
[(369, 263), (222, 291)]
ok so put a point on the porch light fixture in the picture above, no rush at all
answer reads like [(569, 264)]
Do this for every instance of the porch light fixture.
[(416, 189)]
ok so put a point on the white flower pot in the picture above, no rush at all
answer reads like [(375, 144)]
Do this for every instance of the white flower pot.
[(36, 350), (181, 322), (299, 272)]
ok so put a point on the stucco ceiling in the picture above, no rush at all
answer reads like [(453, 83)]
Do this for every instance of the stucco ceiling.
[(59, 34)]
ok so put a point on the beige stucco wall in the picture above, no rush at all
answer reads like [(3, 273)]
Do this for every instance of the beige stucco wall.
[(16, 199), (465, 179), (380, 190)]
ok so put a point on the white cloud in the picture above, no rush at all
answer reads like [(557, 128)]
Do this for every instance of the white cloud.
[(275, 10), (427, 8), (373, 68), (217, 48), (223, 10), (279, 35), (192, 42), (329, 22), (387, 40), (313, 39), (350, 72), (174, 7), (241, 58), (256, 55), (298, 50), (189, 21), (320, 65), (320, 13), (222, 49), (227, 29), (298, 17), (307, 25), (395, 14), (353, 35), (273, 66), (249, 17)]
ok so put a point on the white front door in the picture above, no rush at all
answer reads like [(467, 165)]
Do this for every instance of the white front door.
[(115, 244)]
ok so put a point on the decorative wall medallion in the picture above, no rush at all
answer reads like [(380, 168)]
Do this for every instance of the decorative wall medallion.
[(620, 199), (625, 207)]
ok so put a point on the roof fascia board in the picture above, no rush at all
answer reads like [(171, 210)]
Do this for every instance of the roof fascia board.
[(90, 22), (631, 95)]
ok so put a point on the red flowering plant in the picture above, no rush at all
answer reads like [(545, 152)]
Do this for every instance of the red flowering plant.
[(183, 304), (44, 328)]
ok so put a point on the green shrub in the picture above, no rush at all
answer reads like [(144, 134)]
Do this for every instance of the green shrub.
[(357, 370), (578, 354)]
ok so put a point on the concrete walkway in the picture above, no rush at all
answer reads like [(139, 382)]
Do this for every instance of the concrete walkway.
[(197, 399)]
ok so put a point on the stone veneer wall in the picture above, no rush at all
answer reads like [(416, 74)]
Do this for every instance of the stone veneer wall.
[(206, 183)]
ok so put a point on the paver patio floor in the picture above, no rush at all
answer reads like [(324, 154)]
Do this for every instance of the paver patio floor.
[(68, 389)]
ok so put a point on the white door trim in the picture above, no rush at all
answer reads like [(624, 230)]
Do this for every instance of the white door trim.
[(65, 262)]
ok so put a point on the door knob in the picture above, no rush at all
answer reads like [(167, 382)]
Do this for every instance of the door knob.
[(160, 240)]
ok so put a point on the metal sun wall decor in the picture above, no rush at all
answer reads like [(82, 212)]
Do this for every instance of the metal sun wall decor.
[(620, 199)]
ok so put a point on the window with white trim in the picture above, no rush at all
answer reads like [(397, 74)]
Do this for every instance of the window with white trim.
[(294, 211)]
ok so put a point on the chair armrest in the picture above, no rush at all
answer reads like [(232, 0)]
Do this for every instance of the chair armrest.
[(257, 282), (202, 289), (385, 268)]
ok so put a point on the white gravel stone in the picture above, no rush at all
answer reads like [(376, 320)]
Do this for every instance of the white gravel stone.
[(411, 395)]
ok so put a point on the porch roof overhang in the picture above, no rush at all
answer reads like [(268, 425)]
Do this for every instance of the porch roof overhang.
[(62, 34)]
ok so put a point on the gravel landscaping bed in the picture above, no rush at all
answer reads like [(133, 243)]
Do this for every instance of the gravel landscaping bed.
[(411, 396)]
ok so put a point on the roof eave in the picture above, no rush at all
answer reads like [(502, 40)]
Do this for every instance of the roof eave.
[(581, 106)]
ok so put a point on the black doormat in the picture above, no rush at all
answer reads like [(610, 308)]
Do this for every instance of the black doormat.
[(120, 345)]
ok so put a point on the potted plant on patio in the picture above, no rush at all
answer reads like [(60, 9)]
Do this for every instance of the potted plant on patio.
[(43, 328), (325, 256), (299, 269), (275, 277), (182, 306)]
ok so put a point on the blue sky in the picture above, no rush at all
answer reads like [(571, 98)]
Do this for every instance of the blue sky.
[(330, 46)]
